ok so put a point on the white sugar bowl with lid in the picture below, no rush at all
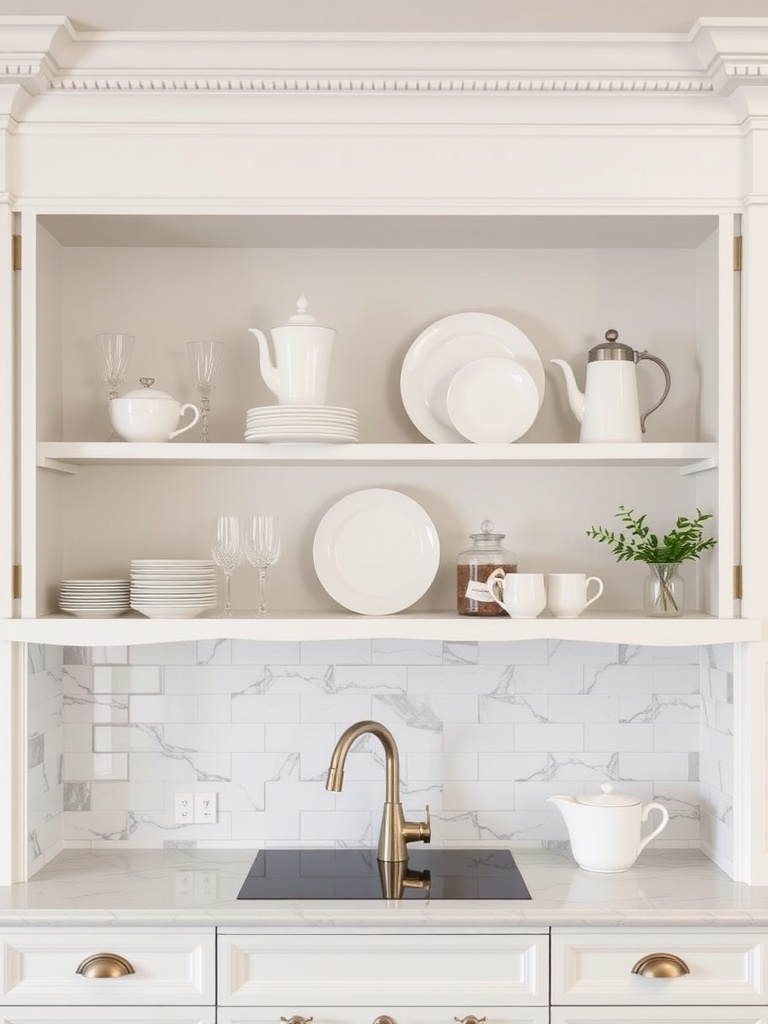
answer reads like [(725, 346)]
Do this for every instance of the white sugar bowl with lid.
[(604, 828), (148, 415)]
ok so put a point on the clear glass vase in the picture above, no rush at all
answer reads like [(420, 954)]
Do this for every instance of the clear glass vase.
[(664, 590)]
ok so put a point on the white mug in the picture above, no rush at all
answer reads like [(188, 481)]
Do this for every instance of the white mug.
[(522, 595), (567, 593)]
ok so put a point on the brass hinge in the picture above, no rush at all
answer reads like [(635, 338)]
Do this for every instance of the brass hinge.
[(737, 252), (16, 251), (16, 582), (737, 594)]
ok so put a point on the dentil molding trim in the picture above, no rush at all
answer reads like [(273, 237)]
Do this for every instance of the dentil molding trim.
[(47, 55)]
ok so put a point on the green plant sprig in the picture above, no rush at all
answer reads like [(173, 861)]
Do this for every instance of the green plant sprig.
[(684, 542)]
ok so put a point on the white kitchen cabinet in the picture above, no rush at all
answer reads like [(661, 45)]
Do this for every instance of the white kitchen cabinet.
[(658, 1014), (594, 969), (136, 967), (107, 1015), (414, 979)]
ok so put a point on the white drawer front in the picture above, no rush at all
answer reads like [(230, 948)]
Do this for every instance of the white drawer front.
[(400, 1014), (107, 1015), (658, 1015), (171, 967), (596, 967), (383, 970)]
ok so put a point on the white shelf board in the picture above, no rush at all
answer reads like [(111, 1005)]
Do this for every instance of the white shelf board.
[(68, 455), (628, 628)]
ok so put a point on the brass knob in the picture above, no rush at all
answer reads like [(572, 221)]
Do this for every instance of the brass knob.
[(661, 965), (296, 1019), (384, 1019), (471, 1019), (105, 965)]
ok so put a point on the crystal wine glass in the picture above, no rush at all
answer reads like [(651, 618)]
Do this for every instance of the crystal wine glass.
[(114, 351), (227, 551), (262, 549), (204, 358)]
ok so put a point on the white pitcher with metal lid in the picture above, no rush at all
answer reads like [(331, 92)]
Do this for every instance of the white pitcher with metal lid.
[(299, 375), (609, 409)]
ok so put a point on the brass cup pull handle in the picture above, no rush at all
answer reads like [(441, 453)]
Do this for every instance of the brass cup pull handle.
[(661, 965), (471, 1019), (105, 965), (296, 1019), (384, 1019)]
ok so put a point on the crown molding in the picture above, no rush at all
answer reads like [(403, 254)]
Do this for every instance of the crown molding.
[(46, 56)]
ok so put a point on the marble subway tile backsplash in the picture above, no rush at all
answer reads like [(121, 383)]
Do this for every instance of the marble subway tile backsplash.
[(485, 731)]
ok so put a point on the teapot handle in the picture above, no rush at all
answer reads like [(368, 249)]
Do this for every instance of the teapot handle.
[(664, 821), (192, 422), (667, 383)]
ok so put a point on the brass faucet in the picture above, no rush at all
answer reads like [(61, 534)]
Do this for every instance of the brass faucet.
[(396, 832)]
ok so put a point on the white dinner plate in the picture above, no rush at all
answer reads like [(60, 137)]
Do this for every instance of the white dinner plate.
[(492, 400), (376, 551), (95, 613), (300, 438), (444, 348)]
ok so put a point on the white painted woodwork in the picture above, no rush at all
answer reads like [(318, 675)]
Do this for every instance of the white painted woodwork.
[(382, 970), (657, 1015), (198, 182), (593, 967), (401, 1014), (172, 966), (107, 1015)]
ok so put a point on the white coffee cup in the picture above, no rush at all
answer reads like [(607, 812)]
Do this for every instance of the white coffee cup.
[(522, 595), (567, 593)]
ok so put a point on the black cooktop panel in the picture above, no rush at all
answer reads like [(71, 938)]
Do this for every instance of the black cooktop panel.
[(358, 875)]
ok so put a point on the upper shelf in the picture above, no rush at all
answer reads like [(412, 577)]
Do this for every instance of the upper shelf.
[(66, 456), (618, 628)]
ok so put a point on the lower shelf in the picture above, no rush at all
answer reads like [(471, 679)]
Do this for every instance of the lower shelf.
[(689, 630)]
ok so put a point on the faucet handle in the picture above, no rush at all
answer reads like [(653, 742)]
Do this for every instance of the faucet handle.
[(426, 828)]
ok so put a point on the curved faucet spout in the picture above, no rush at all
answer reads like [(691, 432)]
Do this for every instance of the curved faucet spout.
[(396, 832)]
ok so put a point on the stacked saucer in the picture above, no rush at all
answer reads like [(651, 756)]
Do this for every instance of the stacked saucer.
[(301, 424), (94, 599), (173, 588)]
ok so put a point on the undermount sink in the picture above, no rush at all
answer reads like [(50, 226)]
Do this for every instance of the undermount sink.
[(357, 874)]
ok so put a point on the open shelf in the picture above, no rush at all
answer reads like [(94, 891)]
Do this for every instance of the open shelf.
[(689, 630), (66, 456)]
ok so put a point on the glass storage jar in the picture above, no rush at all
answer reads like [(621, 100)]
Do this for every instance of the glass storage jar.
[(475, 565)]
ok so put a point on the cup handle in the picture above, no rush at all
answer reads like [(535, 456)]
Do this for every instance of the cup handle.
[(599, 582), (192, 422), (664, 820), (493, 581)]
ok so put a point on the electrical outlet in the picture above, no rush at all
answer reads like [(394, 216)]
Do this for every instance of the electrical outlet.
[(205, 808), (184, 809), (205, 884)]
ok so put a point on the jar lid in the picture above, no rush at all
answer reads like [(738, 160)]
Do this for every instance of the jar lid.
[(487, 527), (146, 390), (607, 798)]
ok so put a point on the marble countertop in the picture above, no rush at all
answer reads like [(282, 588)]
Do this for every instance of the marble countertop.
[(192, 888)]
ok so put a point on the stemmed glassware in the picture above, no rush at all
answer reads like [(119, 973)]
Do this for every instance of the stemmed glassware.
[(114, 351), (262, 549), (227, 551), (204, 358)]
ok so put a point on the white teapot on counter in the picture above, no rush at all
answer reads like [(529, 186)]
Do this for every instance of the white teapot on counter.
[(604, 828), (299, 375), (147, 415)]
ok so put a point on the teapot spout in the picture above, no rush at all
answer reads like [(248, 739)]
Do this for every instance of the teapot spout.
[(268, 370), (575, 397), (564, 804)]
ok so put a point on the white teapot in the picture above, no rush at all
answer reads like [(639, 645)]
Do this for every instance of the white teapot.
[(146, 415), (604, 828)]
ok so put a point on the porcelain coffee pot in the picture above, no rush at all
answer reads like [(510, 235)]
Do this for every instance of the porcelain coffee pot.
[(604, 828), (609, 409), (299, 375)]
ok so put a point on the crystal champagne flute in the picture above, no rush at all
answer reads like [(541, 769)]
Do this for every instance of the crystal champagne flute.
[(262, 549), (114, 351), (204, 358), (227, 551)]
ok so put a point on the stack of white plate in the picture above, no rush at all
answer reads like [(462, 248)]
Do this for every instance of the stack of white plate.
[(95, 599), (173, 588), (301, 424)]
